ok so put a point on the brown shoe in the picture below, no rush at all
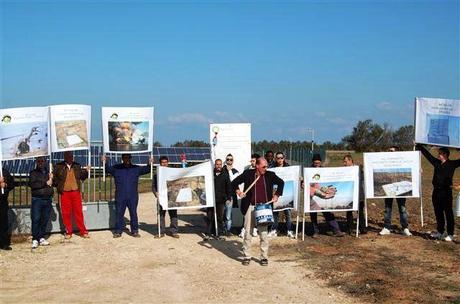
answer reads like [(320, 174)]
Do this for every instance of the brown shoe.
[(67, 236), (175, 235), (85, 236)]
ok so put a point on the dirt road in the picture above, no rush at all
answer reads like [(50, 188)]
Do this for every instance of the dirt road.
[(152, 270)]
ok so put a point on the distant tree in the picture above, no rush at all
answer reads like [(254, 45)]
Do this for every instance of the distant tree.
[(404, 137), (368, 136), (191, 143), (157, 144)]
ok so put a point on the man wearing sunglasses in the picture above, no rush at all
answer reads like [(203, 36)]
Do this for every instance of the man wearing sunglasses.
[(233, 201), (258, 189)]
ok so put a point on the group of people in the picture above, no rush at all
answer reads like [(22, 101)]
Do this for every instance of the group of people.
[(261, 186)]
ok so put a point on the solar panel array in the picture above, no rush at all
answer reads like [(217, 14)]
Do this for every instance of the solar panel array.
[(193, 155)]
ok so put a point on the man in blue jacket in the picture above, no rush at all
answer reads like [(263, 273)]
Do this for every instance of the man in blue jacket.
[(126, 177)]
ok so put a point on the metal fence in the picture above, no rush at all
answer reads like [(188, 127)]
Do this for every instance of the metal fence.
[(96, 188)]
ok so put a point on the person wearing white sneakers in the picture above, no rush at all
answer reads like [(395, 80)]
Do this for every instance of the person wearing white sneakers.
[(444, 170), (41, 186), (403, 217)]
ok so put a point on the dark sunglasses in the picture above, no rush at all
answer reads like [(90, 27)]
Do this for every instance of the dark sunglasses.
[(280, 157), (229, 159)]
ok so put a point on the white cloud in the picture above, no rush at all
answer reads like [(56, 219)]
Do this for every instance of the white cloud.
[(338, 121), (384, 106), (185, 118)]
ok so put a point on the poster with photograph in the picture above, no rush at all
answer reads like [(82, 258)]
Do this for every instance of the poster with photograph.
[(186, 188), (331, 189), (233, 138), (127, 129), (392, 174), (291, 177), (437, 122), (70, 127), (24, 133)]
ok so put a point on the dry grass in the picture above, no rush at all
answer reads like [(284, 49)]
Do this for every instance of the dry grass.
[(390, 269)]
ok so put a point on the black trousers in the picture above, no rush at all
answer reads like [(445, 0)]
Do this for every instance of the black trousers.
[(5, 236), (442, 204), (211, 229)]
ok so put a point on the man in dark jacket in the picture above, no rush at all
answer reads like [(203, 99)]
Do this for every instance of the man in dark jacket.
[(7, 184), (67, 178), (126, 192), (164, 162), (222, 193), (40, 182), (258, 188), (444, 170)]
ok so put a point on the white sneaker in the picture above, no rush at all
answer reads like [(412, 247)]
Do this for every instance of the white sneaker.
[(290, 234), (254, 232), (34, 244), (448, 238), (241, 235), (406, 232), (385, 231), (272, 233), (44, 242), (436, 235)]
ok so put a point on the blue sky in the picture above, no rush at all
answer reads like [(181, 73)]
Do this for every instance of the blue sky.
[(283, 66)]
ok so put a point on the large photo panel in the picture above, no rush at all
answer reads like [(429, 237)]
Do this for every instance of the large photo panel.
[(291, 177), (234, 138), (437, 122), (24, 133), (186, 188), (70, 127), (127, 129), (392, 174), (331, 189)]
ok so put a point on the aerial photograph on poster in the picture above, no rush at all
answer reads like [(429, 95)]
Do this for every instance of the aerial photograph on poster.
[(390, 182), (71, 134), (186, 192)]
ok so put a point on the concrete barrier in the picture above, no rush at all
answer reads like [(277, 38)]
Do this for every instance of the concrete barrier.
[(98, 216)]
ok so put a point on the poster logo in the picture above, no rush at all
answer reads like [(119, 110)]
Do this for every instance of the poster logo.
[(6, 119)]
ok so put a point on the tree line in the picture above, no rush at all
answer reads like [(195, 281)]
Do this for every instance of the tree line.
[(365, 136)]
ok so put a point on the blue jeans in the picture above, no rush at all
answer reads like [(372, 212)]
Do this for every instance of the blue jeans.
[(403, 217), (40, 215), (287, 215), (228, 215)]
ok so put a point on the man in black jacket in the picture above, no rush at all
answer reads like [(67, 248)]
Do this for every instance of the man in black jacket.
[(444, 170), (7, 184), (222, 193), (40, 182), (261, 182)]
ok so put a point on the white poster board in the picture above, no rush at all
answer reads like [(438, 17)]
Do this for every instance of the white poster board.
[(233, 138), (70, 127), (127, 129), (291, 177), (331, 189), (24, 133), (437, 122), (186, 188), (392, 174)]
